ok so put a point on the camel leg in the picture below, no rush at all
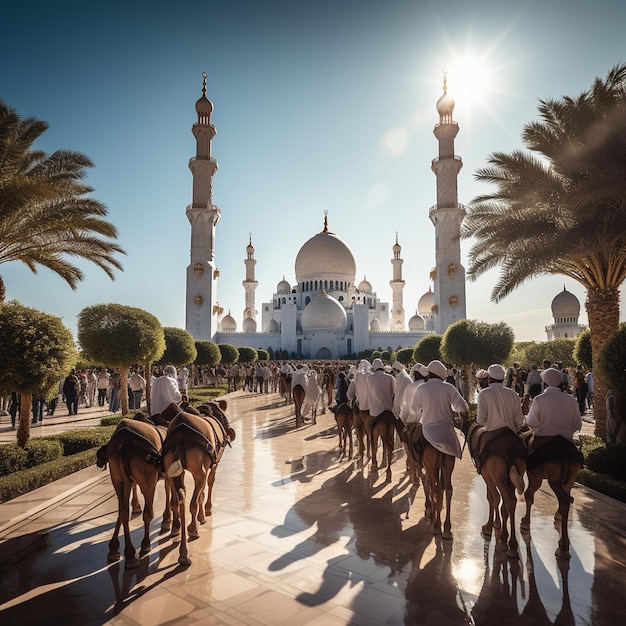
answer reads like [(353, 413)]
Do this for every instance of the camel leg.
[(124, 513), (166, 524), (199, 480), (562, 517), (148, 516), (390, 441), (210, 482), (534, 482), (446, 473), (493, 500)]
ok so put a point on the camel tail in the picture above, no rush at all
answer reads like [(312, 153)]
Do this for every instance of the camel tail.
[(176, 469), (516, 479)]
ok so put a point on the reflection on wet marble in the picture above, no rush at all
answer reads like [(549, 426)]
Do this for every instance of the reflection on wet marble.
[(300, 535)]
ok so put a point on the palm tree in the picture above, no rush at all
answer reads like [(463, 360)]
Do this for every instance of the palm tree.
[(46, 216), (561, 210)]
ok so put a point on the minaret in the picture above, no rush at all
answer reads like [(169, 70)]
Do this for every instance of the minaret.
[(250, 284), (202, 308), (397, 287), (447, 215)]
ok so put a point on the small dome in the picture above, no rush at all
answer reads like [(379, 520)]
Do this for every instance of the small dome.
[(375, 324), (365, 285), (229, 325), (426, 303), (565, 307), (324, 313), (249, 325), (272, 326), (445, 104), (283, 287), (417, 323), (204, 106)]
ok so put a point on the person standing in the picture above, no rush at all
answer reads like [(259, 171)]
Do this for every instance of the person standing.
[(137, 385), (165, 391), (92, 385), (554, 412), (103, 385), (115, 382), (70, 393), (183, 381), (580, 389)]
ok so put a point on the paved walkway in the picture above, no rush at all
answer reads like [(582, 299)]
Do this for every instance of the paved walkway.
[(300, 535)]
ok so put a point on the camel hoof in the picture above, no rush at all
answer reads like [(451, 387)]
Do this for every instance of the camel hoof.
[(144, 550), (485, 535), (185, 561), (175, 532), (113, 557), (562, 554), (447, 535), (166, 527), (524, 525), (131, 563)]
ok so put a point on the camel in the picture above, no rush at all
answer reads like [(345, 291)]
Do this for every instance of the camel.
[(362, 427), (344, 418), (383, 427), (194, 443), (556, 460), (438, 468), (500, 456), (297, 393), (133, 454)]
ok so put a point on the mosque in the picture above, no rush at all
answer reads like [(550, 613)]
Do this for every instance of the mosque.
[(325, 314)]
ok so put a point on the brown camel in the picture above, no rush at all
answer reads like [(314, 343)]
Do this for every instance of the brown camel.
[(133, 455), (194, 443), (344, 418), (383, 427)]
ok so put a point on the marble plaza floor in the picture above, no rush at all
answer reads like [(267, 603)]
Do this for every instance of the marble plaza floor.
[(300, 535)]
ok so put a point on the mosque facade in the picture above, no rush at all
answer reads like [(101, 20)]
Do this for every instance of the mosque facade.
[(325, 314)]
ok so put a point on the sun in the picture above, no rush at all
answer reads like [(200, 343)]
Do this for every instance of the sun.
[(470, 79)]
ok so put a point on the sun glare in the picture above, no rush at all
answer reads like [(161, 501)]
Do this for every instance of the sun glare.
[(470, 79)]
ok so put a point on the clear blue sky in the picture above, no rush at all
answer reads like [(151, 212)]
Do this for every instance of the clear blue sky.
[(321, 105)]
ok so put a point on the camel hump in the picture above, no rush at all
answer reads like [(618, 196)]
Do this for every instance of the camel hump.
[(139, 432)]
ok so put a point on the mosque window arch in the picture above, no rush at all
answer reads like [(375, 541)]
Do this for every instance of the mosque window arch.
[(316, 285), (307, 300), (284, 300), (325, 284)]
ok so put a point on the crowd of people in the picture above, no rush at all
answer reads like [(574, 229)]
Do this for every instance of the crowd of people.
[(364, 383)]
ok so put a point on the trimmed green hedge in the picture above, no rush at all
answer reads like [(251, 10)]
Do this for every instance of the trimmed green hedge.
[(37, 451), (19, 483)]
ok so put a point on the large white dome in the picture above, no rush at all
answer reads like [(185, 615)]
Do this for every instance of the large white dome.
[(324, 313), (323, 255)]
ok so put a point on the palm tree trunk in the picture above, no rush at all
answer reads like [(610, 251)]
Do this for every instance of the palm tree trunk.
[(603, 312), (23, 432)]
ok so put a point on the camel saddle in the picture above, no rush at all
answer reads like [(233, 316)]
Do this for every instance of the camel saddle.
[(482, 443), (550, 448)]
